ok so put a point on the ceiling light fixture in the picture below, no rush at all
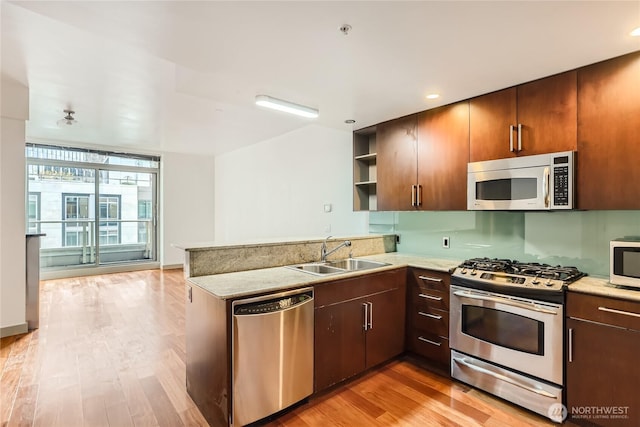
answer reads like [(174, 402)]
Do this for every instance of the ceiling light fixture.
[(286, 106), (636, 32), (433, 96), (68, 119)]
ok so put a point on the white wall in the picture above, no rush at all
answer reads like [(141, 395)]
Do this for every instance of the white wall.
[(15, 107), (278, 188), (186, 204)]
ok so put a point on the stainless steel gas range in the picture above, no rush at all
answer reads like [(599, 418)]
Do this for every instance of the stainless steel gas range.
[(506, 330)]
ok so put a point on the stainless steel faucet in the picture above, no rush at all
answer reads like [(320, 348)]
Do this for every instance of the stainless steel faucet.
[(323, 250)]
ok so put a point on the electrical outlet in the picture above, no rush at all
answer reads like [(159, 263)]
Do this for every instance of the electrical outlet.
[(445, 242)]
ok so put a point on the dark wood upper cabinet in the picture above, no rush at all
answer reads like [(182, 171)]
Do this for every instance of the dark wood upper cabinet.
[(608, 134), (422, 160), (533, 118), (397, 163), (490, 116), (443, 154)]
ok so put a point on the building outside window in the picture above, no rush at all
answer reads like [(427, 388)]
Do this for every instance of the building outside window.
[(33, 213), (76, 206), (144, 212), (95, 207), (109, 230)]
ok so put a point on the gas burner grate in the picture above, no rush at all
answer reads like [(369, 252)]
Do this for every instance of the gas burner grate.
[(533, 269)]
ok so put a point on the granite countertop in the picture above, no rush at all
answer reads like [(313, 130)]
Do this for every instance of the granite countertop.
[(602, 287), (250, 282)]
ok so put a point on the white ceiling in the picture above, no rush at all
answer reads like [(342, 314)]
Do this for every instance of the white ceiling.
[(182, 76)]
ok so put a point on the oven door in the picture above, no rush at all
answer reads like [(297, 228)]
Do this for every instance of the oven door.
[(517, 333), (509, 189)]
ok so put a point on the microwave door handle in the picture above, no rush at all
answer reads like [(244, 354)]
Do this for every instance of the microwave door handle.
[(545, 186)]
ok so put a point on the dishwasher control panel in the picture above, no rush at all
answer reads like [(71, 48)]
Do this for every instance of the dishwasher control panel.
[(271, 305)]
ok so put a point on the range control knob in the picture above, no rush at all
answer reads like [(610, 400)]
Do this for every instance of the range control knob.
[(535, 281), (549, 283), (473, 272)]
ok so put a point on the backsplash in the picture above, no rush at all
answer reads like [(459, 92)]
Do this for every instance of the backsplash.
[(577, 238)]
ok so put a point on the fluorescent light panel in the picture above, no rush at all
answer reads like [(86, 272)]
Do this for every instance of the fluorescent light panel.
[(286, 106)]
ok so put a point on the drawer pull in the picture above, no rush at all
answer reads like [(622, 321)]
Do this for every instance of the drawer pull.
[(611, 310), (429, 341), (433, 316), (430, 279), (430, 297)]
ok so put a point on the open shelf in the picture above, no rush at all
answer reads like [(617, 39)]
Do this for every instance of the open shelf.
[(364, 169)]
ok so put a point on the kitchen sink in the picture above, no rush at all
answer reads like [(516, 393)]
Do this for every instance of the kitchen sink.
[(336, 267), (351, 264), (316, 268)]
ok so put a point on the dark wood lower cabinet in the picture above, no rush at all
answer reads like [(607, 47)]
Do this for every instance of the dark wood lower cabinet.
[(359, 323), (603, 373), (428, 316), (208, 344)]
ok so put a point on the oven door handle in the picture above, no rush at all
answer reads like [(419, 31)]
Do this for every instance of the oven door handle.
[(506, 301), (504, 378)]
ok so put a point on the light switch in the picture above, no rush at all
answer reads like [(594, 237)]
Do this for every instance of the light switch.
[(327, 207)]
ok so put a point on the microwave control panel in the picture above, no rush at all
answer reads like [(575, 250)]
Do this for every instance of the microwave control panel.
[(561, 181), (561, 185)]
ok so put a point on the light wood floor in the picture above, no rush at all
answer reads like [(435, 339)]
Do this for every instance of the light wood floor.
[(110, 352)]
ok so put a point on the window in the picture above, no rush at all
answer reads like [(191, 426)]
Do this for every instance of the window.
[(95, 207), (109, 210), (33, 213), (76, 206), (144, 212)]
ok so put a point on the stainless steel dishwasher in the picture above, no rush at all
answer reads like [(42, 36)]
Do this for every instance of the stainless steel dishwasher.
[(272, 356)]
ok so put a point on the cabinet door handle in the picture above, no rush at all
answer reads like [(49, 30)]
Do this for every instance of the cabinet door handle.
[(430, 279), (570, 344), (511, 138), (433, 316), (190, 296), (413, 195), (519, 136), (429, 341), (419, 191), (370, 315), (365, 323), (430, 297), (613, 310)]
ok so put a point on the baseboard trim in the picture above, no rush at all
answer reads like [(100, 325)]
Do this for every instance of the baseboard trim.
[(9, 331), (93, 271), (171, 267)]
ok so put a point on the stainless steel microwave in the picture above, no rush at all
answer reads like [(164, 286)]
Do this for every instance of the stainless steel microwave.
[(540, 182), (625, 262)]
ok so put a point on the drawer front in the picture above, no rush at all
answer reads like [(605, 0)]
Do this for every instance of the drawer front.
[(429, 319), (430, 346), (339, 290), (430, 297), (430, 279), (430, 288), (611, 311)]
